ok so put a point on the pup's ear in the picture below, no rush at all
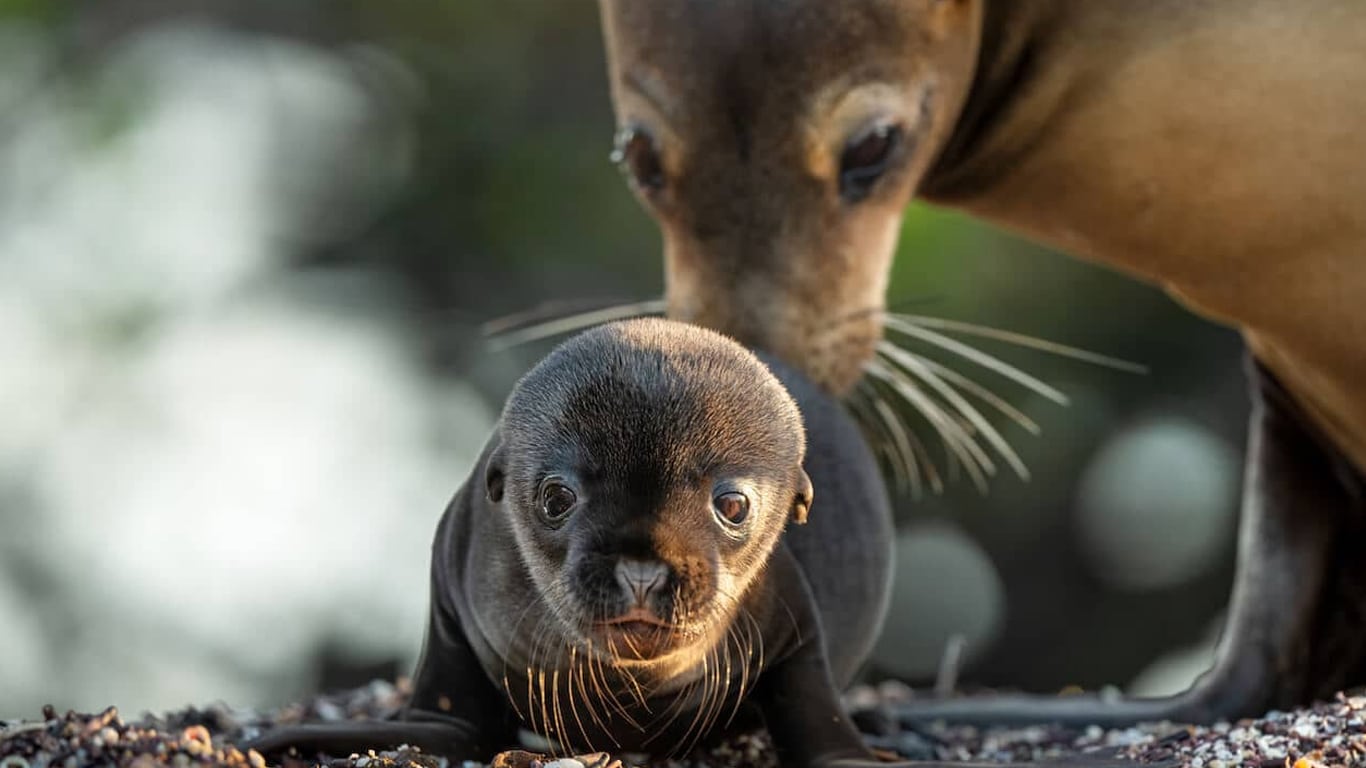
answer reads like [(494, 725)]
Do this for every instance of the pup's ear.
[(801, 502), (493, 475)]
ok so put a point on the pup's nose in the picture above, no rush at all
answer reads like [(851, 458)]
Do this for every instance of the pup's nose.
[(641, 578)]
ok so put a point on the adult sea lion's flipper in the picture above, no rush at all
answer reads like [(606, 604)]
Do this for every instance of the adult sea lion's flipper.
[(1296, 630), (803, 711)]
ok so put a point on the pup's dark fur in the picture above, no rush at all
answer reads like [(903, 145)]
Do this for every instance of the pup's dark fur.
[(646, 422)]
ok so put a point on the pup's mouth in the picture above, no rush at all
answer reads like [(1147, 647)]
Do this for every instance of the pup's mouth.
[(637, 634)]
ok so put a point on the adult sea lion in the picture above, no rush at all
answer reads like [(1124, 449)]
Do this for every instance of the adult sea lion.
[(1213, 147), (616, 574)]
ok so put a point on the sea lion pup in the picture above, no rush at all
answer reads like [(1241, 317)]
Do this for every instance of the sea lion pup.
[(616, 574), (1213, 148)]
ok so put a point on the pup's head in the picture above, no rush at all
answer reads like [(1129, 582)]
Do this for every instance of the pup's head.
[(646, 470)]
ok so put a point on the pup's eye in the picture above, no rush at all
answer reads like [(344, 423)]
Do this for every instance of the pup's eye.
[(557, 501), (636, 154), (865, 158), (731, 508)]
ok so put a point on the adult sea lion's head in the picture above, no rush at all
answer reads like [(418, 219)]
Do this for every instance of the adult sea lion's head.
[(647, 470), (777, 144)]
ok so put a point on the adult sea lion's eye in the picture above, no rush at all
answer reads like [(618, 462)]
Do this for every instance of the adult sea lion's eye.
[(865, 158), (557, 501), (636, 154), (731, 507)]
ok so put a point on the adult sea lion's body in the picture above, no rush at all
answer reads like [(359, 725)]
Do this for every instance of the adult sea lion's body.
[(1213, 147), (615, 574)]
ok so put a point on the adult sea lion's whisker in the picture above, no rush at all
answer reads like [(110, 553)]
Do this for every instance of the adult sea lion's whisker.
[(954, 438), (977, 356), (920, 455), (553, 309), (1023, 340), (991, 398), (863, 402), (902, 443), (903, 449), (913, 365), (558, 326), (880, 372), (965, 429)]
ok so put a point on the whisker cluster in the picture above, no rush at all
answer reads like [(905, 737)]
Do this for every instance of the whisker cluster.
[(947, 400)]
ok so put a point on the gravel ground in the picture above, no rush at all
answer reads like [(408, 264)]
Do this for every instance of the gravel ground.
[(1329, 734)]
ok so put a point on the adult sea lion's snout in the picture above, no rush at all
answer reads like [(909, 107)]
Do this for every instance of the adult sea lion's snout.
[(778, 173)]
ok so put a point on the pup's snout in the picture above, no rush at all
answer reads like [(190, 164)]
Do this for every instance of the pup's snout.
[(642, 579)]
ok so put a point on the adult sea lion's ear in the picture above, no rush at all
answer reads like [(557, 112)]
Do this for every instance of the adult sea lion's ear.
[(801, 503), (493, 475)]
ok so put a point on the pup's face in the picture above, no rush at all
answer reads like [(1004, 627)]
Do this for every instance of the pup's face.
[(647, 483), (777, 144)]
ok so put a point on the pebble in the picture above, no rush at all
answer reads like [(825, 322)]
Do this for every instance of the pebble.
[(329, 711), (1328, 735)]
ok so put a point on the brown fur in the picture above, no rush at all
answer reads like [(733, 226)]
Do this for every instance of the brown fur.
[(1214, 148), (757, 242)]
